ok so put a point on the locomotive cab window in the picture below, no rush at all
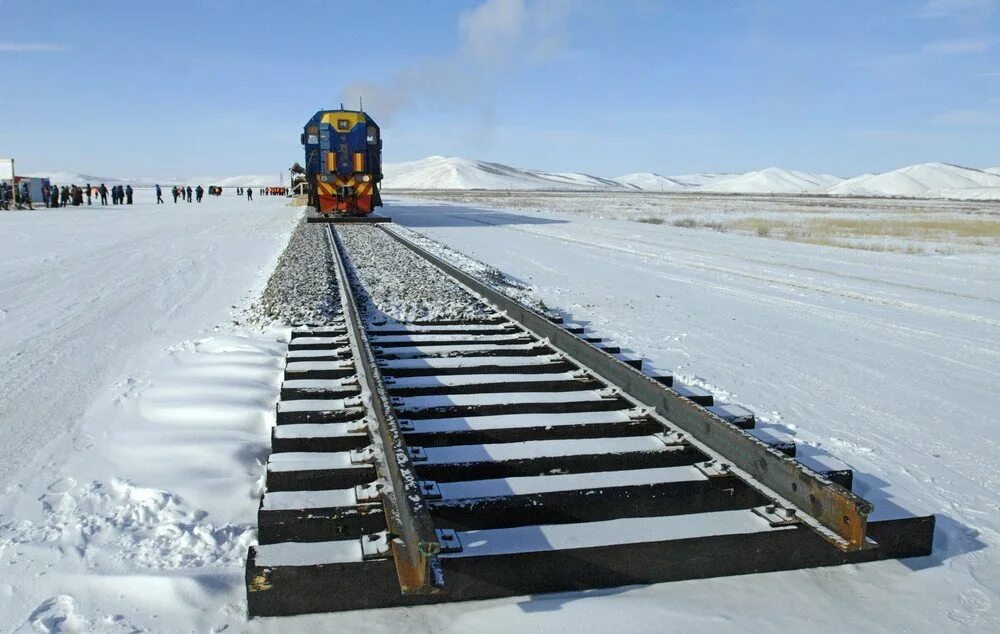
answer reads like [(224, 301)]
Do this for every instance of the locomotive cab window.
[(372, 136), (343, 124)]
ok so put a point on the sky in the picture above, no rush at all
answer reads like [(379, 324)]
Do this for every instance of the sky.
[(608, 87)]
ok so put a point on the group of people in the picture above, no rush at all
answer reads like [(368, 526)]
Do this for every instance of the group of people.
[(55, 196), (263, 191), (119, 195), (11, 195), (182, 193)]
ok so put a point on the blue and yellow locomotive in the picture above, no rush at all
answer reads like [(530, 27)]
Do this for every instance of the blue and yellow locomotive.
[(343, 162)]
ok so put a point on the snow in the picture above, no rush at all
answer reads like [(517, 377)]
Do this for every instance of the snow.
[(292, 500), (928, 180), (445, 172), (631, 530), (545, 448), (885, 360), (530, 485), (513, 421), (924, 180), (309, 553), (772, 180), (135, 428), (647, 181), (137, 413), (308, 461), (496, 398)]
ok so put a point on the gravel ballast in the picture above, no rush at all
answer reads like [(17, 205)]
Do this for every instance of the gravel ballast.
[(303, 288), (397, 284)]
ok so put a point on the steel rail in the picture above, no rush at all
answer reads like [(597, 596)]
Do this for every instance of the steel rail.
[(413, 540), (837, 514)]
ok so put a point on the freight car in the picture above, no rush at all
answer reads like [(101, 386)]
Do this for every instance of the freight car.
[(343, 162)]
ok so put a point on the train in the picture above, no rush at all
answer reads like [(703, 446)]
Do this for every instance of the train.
[(343, 151)]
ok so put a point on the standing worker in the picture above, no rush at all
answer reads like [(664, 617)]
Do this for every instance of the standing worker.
[(249, 193), (90, 192), (199, 191), (175, 192), (64, 194), (46, 195), (189, 193), (25, 196), (54, 196), (128, 194), (3, 197), (159, 195), (103, 191)]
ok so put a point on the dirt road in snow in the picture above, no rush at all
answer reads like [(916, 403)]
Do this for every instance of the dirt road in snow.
[(83, 290)]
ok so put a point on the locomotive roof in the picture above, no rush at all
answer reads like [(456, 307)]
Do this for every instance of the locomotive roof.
[(358, 115)]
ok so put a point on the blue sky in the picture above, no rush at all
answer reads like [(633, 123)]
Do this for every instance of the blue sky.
[(604, 86)]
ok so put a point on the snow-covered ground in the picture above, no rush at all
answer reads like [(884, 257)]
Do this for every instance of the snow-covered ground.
[(137, 411), (882, 224), (132, 428), (888, 361)]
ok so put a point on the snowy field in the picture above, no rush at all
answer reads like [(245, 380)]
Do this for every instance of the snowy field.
[(136, 405), (874, 224)]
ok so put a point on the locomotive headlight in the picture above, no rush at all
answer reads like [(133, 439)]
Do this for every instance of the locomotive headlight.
[(366, 178), (323, 177)]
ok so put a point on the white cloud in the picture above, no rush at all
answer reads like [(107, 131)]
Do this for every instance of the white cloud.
[(970, 117), (30, 47), (495, 36), (963, 10), (957, 47)]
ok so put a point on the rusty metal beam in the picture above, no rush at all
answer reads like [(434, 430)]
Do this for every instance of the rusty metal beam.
[(413, 538), (833, 511)]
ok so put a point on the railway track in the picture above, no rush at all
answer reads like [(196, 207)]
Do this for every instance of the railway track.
[(514, 454)]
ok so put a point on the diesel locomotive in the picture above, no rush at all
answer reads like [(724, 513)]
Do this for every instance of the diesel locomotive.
[(343, 162)]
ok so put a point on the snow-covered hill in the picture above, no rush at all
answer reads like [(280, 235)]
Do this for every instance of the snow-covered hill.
[(649, 182), (933, 180), (773, 180), (447, 172)]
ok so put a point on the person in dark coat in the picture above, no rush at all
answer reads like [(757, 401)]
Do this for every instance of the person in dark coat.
[(114, 194), (3, 197), (78, 197), (25, 197), (249, 193), (176, 193), (64, 196), (199, 191), (103, 191), (159, 195), (46, 195), (53, 196), (189, 191), (89, 191), (128, 194)]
